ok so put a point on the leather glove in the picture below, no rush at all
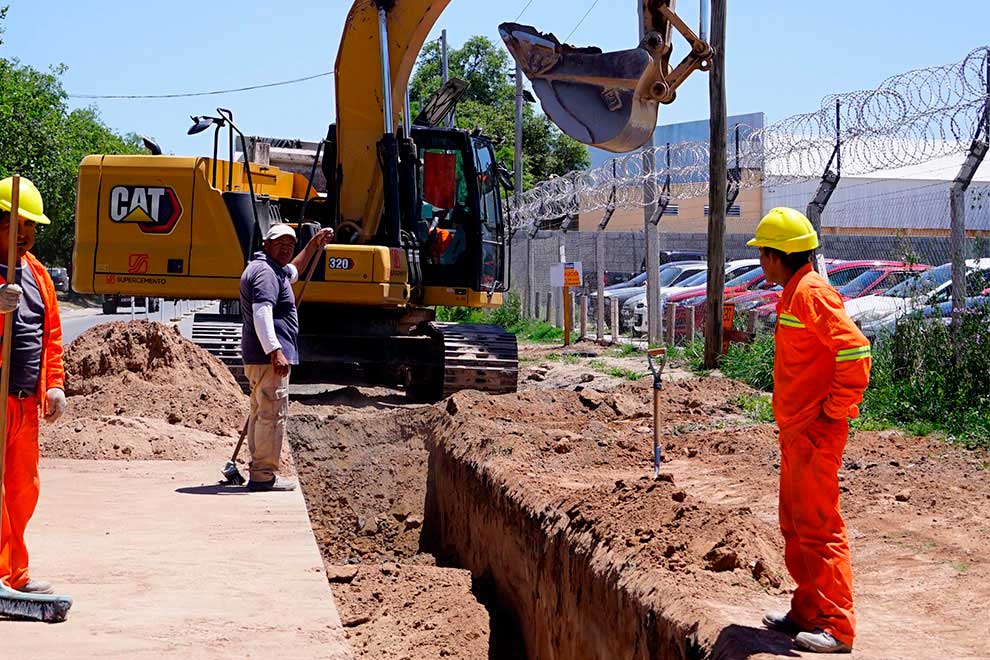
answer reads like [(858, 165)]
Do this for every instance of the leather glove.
[(10, 296), (56, 404)]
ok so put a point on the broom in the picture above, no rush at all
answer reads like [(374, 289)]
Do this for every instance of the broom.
[(51, 608)]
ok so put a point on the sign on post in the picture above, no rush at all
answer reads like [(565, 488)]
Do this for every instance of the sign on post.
[(565, 275)]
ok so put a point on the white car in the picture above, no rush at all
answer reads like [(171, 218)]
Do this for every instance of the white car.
[(637, 305), (685, 270), (872, 313)]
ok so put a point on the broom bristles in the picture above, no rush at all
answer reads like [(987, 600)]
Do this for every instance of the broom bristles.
[(50, 608)]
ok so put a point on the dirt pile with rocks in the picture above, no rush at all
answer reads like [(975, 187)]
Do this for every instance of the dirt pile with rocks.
[(140, 390)]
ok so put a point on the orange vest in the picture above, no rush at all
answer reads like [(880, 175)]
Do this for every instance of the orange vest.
[(52, 373), (821, 360)]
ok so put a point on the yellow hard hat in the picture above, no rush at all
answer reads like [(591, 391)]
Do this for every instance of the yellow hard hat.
[(30, 206), (786, 230)]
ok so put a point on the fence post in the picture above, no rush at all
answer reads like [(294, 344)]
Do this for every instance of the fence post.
[(535, 311), (600, 271), (751, 323), (671, 310), (549, 306), (615, 319), (584, 316), (689, 323)]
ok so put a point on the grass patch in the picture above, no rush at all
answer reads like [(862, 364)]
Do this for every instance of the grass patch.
[(566, 358), (757, 407), (616, 372), (751, 363), (626, 350)]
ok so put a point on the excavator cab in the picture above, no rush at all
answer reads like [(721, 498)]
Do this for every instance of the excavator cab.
[(460, 228)]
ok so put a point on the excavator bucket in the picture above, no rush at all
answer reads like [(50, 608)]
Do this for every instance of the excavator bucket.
[(607, 100)]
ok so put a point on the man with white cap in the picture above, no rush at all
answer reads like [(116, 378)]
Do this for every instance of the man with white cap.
[(269, 348)]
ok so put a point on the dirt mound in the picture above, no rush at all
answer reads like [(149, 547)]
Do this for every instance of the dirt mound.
[(161, 383), (412, 612)]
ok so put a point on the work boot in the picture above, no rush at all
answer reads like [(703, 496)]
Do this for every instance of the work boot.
[(819, 641), (780, 622), (36, 587), (276, 483)]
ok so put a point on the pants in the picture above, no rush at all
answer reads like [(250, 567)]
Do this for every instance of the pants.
[(816, 549), (20, 488), (266, 425)]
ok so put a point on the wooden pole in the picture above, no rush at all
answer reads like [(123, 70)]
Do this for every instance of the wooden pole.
[(8, 319), (671, 323), (689, 324), (600, 272), (567, 315), (584, 316), (615, 319), (716, 189)]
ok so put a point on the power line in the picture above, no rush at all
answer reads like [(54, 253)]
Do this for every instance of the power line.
[(190, 94), (523, 11), (581, 21)]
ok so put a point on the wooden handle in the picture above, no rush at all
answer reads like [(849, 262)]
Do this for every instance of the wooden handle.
[(656, 352), (8, 319)]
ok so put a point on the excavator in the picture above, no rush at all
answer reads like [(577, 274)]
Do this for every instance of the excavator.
[(417, 209)]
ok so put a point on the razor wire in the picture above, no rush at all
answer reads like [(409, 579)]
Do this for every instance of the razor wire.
[(909, 119)]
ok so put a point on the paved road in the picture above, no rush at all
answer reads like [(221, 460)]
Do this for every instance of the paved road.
[(76, 322)]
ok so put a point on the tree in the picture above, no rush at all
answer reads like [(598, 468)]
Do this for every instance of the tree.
[(490, 104), (43, 141)]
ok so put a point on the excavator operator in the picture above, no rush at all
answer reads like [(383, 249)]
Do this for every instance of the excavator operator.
[(821, 368)]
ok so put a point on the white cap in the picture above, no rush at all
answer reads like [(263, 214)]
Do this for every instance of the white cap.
[(279, 230)]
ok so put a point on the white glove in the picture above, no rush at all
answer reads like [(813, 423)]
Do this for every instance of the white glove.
[(56, 404), (10, 296)]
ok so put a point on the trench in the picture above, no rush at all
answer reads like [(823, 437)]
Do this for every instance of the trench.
[(401, 494)]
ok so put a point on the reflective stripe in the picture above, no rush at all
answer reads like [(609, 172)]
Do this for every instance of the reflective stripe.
[(850, 354), (791, 321)]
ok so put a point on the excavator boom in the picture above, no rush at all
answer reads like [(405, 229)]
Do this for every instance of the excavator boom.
[(361, 97)]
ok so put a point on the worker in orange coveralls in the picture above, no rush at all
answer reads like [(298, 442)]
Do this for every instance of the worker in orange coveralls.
[(821, 368), (36, 379)]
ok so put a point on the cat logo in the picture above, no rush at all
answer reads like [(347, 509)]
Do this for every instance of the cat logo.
[(155, 209)]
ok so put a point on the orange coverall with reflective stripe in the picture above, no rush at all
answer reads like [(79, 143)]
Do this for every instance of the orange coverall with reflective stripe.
[(21, 484), (821, 368)]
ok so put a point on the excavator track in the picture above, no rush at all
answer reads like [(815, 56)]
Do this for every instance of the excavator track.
[(477, 357), (220, 335)]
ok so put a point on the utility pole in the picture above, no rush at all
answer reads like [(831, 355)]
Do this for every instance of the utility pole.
[(650, 230), (518, 182), (718, 171), (445, 71)]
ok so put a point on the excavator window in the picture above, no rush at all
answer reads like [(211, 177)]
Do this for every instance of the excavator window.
[(446, 215), (490, 215)]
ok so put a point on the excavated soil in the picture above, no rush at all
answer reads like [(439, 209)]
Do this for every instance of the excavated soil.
[(547, 497), (140, 390)]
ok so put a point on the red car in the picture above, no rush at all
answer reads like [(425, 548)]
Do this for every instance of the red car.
[(765, 294), (871, 282)]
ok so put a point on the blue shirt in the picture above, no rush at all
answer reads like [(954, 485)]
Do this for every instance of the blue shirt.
[(29, 325), (264, 281)]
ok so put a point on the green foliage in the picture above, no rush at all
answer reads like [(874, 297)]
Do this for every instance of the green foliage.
[(756, 406), (751, 363), (509, 316), (920, 382), (693, 354), (43, 141), (490, 104), (625, 350)]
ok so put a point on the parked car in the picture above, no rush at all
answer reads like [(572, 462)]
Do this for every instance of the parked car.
[(60, 278), (670, 256), (635, 309), (670, 275), (940, 313), (873, 313)]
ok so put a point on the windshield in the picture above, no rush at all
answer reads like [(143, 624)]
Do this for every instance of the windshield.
[(668, 275), (696, 279), (746, 278), (855, 288), (924, 283)]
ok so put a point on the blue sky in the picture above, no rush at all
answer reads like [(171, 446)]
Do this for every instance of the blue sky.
[(783, 55)]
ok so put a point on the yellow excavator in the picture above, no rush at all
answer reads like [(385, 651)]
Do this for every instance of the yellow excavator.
[(417, 210)]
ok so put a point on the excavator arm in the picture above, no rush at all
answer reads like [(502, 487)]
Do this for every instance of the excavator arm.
[(362, 98), (609, 100)]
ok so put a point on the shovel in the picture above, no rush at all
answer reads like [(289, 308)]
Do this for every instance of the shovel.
[(657, 359)]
